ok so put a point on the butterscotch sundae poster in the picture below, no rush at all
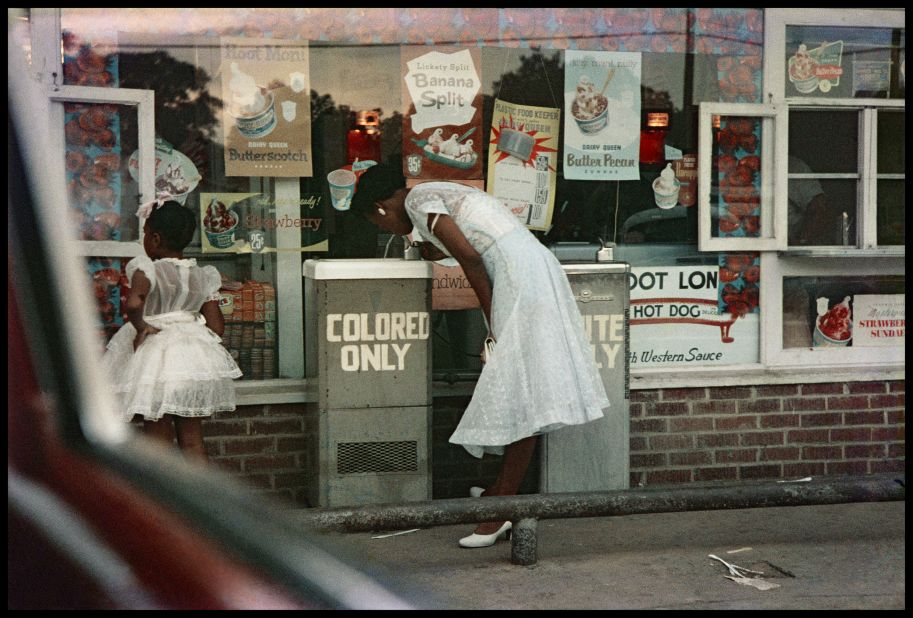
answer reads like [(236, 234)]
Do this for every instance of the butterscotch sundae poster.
[(266, 107), (602, 119), (442, 123)]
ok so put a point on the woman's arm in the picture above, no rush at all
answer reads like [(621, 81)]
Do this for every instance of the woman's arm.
[(473, 267), (136, 303), (213, 315)]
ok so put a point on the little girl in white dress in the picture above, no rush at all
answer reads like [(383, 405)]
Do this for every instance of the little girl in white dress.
[(167, 363)]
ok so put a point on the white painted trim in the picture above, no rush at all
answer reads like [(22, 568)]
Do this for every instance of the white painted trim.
[(367, 268), (289, 285)]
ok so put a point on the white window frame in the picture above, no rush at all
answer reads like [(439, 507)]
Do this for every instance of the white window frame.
[(864, 257), (775, 132)]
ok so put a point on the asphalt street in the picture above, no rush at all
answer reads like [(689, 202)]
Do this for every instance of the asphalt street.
[(845, 556)]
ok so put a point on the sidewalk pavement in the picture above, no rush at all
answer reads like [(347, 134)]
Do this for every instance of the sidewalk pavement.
[(844, 556)]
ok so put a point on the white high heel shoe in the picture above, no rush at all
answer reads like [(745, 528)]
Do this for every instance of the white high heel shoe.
[(486, 540), (476, 492)]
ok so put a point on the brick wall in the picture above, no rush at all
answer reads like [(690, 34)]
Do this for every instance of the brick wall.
[(678, 435)]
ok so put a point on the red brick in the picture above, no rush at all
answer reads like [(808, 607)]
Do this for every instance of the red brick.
[(667, 409), (637, 443), (855, 402), (675, 394), (717, 439), (211, 447), (888, 434), (896, 417), (897, 387), (846, 467), (262, 481), (867, 387), (765, 438), (284, 445), (713, 407), (636, 479), (821, 420), (874, 417), (864, 451), (897, 450), (648, 460), (274, 426), (243, 412), (269, 462), (689, 459), (736, 456), (760, 472), (803, 469), (736, 422), (777, 390), (800, 436), (824, 389), (287, 409), (691, 424), (779, 420), (730, 392), (649, 425), (662, 477), (247, 446), (803, 404), (856, 434), (671, 442), (291, 479), (715, 474), (786, 453), (224, 428), (644, 396), (891, 465), (887, 401), (760, 406), (636, 410), (822, 452), (226, 464)]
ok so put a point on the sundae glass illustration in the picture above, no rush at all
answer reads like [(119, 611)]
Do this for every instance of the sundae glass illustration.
[(219, 224), (666, 187), (252, 107), (832, 326), (802, 71), (590, 109)]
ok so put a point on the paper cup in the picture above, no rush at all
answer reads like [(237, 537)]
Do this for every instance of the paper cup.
[(666, 200), (225, 239), (595, 124), (260, 124), (342, 187), (823, 341)]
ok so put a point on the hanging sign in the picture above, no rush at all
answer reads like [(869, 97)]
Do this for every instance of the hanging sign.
[(267, 107), (602, 117), (522, 153), (442, 135), (879, 320)]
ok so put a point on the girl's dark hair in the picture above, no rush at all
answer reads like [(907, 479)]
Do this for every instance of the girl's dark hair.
[(378, 182), (174, 223)]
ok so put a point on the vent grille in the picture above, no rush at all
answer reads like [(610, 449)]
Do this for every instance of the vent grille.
[(361, 457)]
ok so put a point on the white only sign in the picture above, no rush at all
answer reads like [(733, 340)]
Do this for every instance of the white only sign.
[(442, 87)]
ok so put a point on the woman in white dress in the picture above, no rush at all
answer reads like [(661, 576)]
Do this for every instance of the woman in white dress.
[(541, 375), (167, 363)]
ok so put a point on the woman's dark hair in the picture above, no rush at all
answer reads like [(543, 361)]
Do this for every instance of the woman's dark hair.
[(174, 223), (378, 182)]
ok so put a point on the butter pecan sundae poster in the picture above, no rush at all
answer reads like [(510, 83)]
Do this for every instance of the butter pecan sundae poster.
[(602, 119), (442, 123), (522, 161), (266, 107)]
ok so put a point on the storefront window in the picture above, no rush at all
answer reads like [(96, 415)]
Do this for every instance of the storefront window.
[(891, 185)]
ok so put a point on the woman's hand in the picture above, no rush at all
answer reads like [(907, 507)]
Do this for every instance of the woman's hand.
[(141, 335)]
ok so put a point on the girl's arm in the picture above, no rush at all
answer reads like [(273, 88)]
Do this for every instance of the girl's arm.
[(213, 315), (473, 267), (136, 302)]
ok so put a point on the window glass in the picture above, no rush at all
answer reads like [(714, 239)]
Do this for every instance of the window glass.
[(892, 212), (835, 312)]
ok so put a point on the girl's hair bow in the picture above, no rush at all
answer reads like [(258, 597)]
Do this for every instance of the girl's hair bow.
[(144, 210)]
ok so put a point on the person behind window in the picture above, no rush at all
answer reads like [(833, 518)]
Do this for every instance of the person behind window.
[(541, 374), (808, 220), (167, 363)]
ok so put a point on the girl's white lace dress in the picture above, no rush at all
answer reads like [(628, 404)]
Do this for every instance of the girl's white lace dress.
[(542, 375), (184, 369)]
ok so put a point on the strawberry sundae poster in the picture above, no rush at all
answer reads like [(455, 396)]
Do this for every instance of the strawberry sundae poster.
[(602, 119), (686, 316), (442, 135)]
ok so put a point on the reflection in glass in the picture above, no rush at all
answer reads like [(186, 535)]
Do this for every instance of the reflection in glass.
[(891, 212), (891, 146), (826, 141), (821, 212)]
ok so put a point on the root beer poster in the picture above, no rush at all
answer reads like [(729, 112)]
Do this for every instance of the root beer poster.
[(442, 92), (266, 110)]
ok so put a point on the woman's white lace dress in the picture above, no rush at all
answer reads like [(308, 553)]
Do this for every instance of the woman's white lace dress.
[(542, 375), (184, 369)]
